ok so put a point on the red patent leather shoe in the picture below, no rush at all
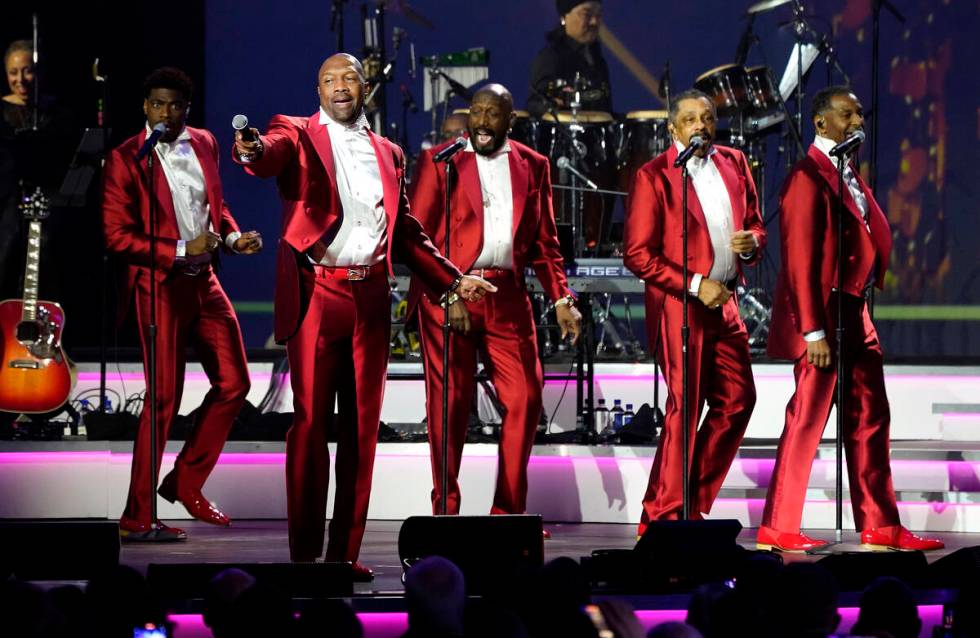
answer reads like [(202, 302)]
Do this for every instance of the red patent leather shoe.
[(362, 573), (774, 540), (132, 531), (545, 534), (194, 502), (898, 538)]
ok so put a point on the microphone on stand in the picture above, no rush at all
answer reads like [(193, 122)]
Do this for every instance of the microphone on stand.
[(850, 144), (151, 141), (694, 144), (565, 164), (457, 88), (240, 123), (445, 154)]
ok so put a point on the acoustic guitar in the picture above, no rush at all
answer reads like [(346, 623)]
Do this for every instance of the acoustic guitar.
[(35, 374)]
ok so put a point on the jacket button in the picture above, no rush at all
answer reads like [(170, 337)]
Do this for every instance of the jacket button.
[(459, 244), (307, 240), (308, 210)]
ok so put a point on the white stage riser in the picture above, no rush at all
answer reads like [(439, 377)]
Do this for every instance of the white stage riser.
[(917, 395), (575, 488)]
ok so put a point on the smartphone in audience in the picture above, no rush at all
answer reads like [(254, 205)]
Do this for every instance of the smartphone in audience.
[(149, 630)]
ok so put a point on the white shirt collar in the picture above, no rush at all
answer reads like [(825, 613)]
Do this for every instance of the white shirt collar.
[(360, 124), (825, 144), (503, 149)]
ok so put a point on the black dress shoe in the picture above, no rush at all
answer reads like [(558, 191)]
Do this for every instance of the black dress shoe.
[(132, 531)]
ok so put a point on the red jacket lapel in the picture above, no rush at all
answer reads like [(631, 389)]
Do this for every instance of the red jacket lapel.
[(389, 181), (469, 180), (675, 179), (881, 232), (729, 175), (212, 183), (321, 143), (518, 184), (829, 173), (167, 216)]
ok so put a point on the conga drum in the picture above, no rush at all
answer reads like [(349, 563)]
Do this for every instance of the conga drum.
[(643, 136), (587, 140), (727, 86)]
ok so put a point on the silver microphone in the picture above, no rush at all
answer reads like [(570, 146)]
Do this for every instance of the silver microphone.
[(564, 164), (240, 123)]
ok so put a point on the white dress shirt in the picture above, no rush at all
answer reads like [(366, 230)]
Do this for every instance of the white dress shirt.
[(498, 209), (717, 206), (825, 145), (188, 190), (362, 238)]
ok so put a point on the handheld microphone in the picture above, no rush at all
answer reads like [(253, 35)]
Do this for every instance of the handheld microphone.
[(445, 154), (566, 165), (850, 144), (151, 141), (696, 142), (240, 123)]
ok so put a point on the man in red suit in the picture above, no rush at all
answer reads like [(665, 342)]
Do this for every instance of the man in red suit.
[(192, 309), (805, 315), (345, 216), (502, 221), (725, 232)]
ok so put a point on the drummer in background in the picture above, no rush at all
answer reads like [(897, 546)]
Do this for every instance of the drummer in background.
[(453, 126), (572, 49)]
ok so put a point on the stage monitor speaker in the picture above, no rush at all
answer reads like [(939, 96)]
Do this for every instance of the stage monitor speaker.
[(58, 550), (488, 549), (670, 556), (184, 581), (856, 570), (956, 570)]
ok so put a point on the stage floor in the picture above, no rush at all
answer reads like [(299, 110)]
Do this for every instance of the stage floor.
[(266, 541)]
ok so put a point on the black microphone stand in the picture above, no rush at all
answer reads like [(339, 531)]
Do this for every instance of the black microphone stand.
[(839, 487), (444, 475), (151, 390), (103, 323), (685, 341), (337, 21)]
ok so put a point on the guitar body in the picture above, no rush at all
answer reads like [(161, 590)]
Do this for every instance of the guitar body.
[(35, 376)]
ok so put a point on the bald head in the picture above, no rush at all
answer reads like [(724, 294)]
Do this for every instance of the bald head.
[(340, 85), (343, 59), (496, 92), (491, 116)]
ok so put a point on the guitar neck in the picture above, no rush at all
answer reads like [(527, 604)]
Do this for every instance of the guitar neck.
[(31, 270)]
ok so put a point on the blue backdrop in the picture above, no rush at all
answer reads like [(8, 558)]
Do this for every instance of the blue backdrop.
[(262, 57)]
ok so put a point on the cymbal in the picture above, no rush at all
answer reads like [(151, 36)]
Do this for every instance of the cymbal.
[(765, 5)]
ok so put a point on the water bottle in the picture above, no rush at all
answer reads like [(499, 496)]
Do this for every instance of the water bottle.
[(628, 415), (616, 415), (601, 417)]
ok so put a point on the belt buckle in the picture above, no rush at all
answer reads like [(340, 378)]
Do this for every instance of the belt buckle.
[(357, 273), (192, 270)]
